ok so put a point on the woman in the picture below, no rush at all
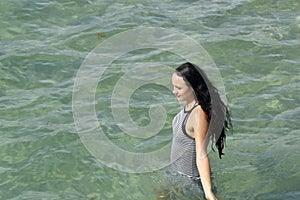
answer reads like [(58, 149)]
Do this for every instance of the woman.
[(204, 118)]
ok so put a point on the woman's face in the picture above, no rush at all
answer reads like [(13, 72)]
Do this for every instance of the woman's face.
[(182, 91)]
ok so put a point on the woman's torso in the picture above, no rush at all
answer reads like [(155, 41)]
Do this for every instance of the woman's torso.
[(183, 152)]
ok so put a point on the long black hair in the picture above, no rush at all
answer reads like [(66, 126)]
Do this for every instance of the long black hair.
[(207, 96)]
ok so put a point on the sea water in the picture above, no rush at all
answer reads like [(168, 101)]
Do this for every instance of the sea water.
[(44, 44)]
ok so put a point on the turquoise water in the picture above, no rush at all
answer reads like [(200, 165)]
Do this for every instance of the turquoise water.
[(255, 44)]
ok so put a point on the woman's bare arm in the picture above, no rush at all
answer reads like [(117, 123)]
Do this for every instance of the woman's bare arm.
[(200, 127)]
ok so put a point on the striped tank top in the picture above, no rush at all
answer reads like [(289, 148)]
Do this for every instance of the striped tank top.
[(183, 151)]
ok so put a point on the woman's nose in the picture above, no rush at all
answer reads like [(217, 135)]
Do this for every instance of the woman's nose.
[(174, 91)]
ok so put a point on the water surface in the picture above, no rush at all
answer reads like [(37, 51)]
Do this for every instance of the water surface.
[(255, 44)]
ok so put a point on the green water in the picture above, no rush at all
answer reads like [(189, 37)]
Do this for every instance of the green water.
[(255, 44)]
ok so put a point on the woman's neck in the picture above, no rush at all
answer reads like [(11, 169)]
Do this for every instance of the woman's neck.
[(190, 104)]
